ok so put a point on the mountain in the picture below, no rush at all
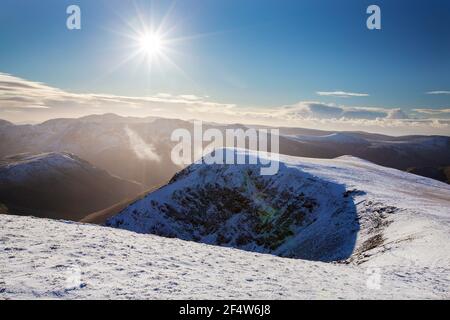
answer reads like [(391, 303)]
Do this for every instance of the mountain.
[(345, 209), (392, 227), (58, 185), (394, 152), (114, 118), (336, 138), (100, 217), (139, 149), (437, 173), (4, 123)]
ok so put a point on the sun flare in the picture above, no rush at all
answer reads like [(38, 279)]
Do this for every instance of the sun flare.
[(151, 44)]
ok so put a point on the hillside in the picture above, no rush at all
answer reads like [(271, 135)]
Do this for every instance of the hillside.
[(100, 217), (59, 185), (437, 173), (367, 232), (395, 152), (345, 209), (55, 260)]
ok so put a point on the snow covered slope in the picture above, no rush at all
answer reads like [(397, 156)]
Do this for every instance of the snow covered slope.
[(396, 225), (345, 209), (45, 259)]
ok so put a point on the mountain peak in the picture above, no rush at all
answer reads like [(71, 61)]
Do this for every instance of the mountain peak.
[(4, 123)]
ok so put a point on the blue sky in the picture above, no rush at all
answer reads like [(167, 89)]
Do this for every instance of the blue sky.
[(252, 53)]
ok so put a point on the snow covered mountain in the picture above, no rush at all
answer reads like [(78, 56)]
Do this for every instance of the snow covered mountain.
[(345, 209), (392, 228), (58, 185), (395, 152)]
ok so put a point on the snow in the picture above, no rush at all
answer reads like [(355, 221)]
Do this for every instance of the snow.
[(21, 167), (385, 217), (401, 249), (43, 259)]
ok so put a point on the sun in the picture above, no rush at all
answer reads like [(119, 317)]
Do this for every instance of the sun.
[(151, 44)]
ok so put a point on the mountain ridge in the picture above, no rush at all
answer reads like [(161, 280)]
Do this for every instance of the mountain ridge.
[(119, 145)]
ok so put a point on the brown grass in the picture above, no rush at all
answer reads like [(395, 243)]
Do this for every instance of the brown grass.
[(101, 216)]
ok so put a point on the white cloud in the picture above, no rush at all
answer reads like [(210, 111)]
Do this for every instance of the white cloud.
[(439, 92), (17, 93), (318, 110), (27, 101), (142, 149), (433, 111), (443, 113), (190, 97), (341, 94), (397, 114)]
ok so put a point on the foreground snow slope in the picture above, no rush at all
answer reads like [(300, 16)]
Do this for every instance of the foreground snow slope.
[(47, 259)]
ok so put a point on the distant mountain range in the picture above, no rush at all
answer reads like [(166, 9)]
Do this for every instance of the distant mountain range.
[(139, 149), (133, 155)]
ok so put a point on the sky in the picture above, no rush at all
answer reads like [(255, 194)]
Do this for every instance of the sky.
[(310, 63)]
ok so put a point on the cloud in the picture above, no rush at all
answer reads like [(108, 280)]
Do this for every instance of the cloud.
[(190, 97), (27, 101), (397, 114), (321, 111), (439, 92), (433, 111), (364, 113), (17, 93), (341, 94), (443, 113), (142, 149)]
